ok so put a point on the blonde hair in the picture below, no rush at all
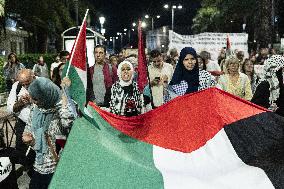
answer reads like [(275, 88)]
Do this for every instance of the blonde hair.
[(231, 60)]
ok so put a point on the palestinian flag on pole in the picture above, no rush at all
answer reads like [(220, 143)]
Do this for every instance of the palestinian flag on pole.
[(77, 67), (142, 62), (209, 139), (228, 46)]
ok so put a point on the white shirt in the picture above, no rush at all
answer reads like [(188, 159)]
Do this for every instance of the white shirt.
[(157, 91), (52, 66), (25, 112)]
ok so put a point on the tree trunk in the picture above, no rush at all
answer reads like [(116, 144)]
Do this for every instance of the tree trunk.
[(42, 40), (264, 23), (59, 43)]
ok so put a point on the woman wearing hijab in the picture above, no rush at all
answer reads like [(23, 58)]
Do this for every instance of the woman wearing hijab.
[(270, 92), (48, 119), (126, 99), (187, 77)]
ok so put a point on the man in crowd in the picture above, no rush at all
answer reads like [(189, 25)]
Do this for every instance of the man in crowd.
[(160, 74), (103, 76), (61, 59), (211, 66), (240, 56), (263, 55), (19, 103)]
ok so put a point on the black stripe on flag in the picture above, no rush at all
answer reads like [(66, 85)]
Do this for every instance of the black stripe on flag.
[(259, 142)]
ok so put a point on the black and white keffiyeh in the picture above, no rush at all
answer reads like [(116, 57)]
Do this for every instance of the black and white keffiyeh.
[(271, 66), (126, 100)]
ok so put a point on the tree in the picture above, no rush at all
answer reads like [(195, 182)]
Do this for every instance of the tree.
[(2, 4), (45, 19), (209, 15), (230, 15)]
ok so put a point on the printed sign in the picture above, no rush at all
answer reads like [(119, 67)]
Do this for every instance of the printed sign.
[(5, 168), (211, 42)]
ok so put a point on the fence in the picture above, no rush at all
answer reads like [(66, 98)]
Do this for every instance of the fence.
[(3, 98)]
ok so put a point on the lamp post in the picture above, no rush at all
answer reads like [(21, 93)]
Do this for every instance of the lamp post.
[(121, 38), (166, 6), (76, 11), (152, 19), (102, 21)]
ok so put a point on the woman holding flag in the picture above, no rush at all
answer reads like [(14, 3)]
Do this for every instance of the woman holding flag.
[(187, 77), (50, 117)]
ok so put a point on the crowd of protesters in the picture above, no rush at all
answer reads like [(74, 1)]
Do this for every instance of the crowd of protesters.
[(43, 116)]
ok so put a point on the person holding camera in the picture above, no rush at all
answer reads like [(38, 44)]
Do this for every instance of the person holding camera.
[(160, 73)]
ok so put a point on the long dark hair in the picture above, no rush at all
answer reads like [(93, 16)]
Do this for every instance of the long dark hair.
[(244, 64), (10, 55)]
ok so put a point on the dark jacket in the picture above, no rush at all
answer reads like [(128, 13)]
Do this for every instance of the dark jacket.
[(8, 158), (261, 97)]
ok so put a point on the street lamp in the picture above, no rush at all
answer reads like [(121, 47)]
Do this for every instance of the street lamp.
[(143, 24), (166, 6), (102, 21), (152, 20), (103, 31), (121, 38), (133, 24)]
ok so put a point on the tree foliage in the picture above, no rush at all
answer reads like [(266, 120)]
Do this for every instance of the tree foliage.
[(45, 19), (230, 15)]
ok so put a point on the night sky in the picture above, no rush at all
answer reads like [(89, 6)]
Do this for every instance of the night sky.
[(121, 14)]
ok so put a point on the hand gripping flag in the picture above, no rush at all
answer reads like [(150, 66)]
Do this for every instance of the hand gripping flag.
[(77, 67)]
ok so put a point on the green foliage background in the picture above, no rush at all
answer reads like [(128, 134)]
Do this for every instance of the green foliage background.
[(28, 60)]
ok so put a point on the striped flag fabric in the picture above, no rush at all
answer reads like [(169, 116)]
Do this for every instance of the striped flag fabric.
[(208, 139), (142, 79), (228, 46), (77, 67)]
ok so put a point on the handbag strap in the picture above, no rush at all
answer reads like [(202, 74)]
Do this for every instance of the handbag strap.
[(54, 154)]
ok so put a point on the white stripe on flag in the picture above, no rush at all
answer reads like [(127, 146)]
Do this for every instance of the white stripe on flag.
[(215, 165), (83, 76)]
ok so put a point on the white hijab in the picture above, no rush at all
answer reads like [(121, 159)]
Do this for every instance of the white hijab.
[(121, 82)]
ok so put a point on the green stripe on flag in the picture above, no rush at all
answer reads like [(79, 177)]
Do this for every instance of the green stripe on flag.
[(77, 90), (105, 158)]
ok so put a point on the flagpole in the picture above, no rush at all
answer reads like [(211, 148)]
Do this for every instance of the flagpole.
[(72, 54), (140, 31)]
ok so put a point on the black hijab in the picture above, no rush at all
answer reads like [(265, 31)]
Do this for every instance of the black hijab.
[(181, 73)]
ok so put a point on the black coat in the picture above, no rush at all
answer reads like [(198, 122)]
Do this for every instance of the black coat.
[(261, 97)]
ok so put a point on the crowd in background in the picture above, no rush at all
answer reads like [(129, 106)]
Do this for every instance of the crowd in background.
[(44, 116)]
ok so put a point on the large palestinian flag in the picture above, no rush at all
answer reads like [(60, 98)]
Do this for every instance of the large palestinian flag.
[(209, 139)]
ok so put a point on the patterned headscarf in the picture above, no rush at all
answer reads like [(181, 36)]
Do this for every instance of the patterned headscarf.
[(121, 82), (182, 74), (48, 95), (271, 66)]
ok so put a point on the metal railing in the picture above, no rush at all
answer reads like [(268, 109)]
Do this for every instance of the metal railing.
[(3, 98), (5, 139)]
